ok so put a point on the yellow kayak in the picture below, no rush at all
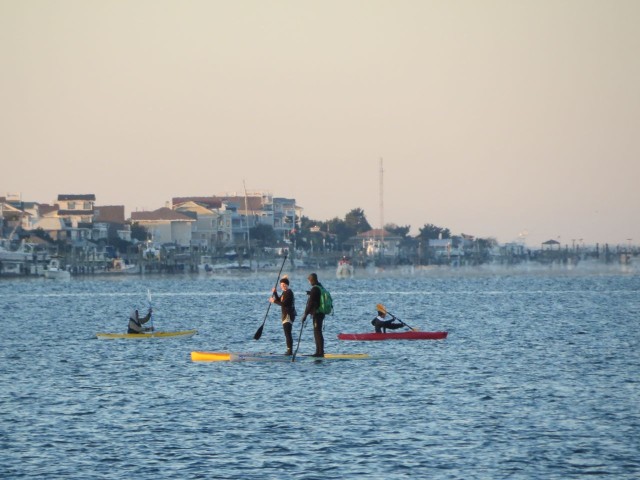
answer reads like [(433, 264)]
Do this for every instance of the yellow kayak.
[(268, 357), (145, 336)]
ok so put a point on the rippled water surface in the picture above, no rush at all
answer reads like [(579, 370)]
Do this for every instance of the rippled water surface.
[(539, 378)]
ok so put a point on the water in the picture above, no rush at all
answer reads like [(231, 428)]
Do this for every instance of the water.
[(539, 378)]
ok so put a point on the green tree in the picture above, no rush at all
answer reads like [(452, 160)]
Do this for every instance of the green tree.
[(432, 232), (407, 244), (305, 235), (138, 232), (339, 230), (396, 230), (306, 223), (265, 235), (356, 220)]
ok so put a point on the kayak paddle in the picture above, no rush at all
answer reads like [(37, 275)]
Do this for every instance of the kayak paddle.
[(381, 308), (258, 333)]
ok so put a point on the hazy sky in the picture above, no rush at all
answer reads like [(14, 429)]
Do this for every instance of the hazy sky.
[(493, 118)]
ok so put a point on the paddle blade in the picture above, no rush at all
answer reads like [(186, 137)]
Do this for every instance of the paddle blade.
[(380, 308), (258, 333)]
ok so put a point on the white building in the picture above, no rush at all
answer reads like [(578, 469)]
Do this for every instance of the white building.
[(166, 226)]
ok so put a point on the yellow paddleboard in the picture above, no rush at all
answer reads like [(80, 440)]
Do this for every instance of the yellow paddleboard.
[(268, 357)]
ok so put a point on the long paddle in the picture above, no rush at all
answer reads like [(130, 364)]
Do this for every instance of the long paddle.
[(259, 331), (293, 357), (381, 308)]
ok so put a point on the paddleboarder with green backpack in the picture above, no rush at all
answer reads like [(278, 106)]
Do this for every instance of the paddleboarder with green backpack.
[(317, 307)]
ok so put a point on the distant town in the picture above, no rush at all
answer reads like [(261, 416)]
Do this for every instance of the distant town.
[(248, 233)]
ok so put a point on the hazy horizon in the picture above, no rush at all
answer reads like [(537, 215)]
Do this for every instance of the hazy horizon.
[(493, 118)]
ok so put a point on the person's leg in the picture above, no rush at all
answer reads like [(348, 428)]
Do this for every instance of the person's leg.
[(287, 327), (317, 334)]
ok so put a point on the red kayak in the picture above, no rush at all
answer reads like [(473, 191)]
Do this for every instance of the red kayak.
[(411, 335)]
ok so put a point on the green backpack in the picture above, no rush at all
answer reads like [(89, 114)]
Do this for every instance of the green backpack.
[(326, 302)]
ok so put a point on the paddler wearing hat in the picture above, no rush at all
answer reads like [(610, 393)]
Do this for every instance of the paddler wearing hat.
[(381, 323)]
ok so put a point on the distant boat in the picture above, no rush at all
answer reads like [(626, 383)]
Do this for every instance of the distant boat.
[(55, 271), (24, 253), (345, 268), (119, 266), (208, 265), (229, 267), (19, 261)]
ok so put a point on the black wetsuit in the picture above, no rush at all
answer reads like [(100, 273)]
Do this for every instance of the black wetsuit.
[(382, 325), (313, 303), (287, 303)]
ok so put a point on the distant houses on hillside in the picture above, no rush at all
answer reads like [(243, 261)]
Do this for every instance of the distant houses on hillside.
[(204, 222), (76, 225)]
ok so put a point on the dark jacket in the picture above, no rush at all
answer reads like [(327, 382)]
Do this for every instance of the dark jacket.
[(135, 322), (287, 303), (381, 324), (313, 302)]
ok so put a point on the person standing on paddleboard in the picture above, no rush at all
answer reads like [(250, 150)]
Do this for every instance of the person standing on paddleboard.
[(381, 324), (135, 322), (286, 300), (313, 304)]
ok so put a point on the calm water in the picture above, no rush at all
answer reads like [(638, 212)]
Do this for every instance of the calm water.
[(539, 378)]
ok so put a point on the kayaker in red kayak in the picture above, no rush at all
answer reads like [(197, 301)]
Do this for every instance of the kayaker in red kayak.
[(381, 325)]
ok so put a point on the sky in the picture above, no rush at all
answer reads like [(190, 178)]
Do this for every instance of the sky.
[(516, 120)]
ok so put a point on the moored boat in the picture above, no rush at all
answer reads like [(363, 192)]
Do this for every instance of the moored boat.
[(55, 271), (411, 335), (344, 269), (268, 357), (118, 266), (146, 336)]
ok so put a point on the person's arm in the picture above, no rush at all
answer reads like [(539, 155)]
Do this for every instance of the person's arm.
[(146, 318), (276, 298), (313, 302)]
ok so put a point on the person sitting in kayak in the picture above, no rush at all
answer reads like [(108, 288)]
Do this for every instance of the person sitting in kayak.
[(135, 322), (381, 324)]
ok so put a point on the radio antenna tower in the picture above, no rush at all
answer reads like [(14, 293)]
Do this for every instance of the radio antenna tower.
[(381, 199)]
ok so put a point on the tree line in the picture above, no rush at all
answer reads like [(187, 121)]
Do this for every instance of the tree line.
[(337, 232)]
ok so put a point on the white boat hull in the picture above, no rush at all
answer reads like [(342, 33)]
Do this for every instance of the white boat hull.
[(344, 270), (57, 274)]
